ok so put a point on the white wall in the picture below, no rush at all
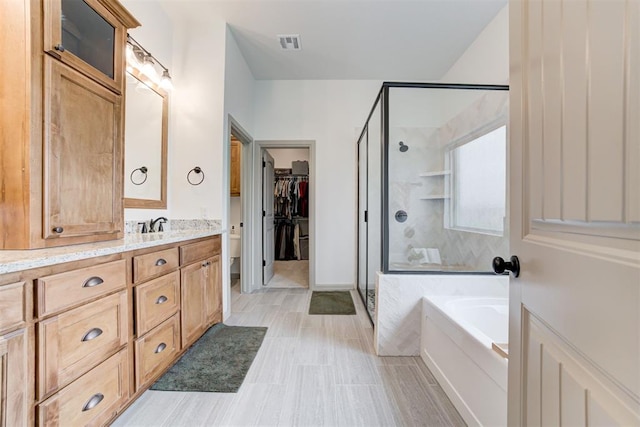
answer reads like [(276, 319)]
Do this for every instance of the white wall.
[(486, 61), (329, 112), (156, 35), (283, 157)]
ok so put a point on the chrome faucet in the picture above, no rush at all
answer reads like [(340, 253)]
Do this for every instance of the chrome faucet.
[(152, 224)]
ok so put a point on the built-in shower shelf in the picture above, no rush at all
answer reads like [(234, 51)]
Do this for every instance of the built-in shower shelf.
[(435, 197), (435, 173)]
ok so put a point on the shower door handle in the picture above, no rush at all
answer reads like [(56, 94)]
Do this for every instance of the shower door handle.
[(500, 265), (366, 216)]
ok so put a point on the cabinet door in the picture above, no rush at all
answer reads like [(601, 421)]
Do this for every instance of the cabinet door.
[(15, 381), (87, 36), (83, 157), (192, 311), (236, 147), (213, 290)]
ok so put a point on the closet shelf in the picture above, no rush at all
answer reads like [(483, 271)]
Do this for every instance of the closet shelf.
[(435, 173)]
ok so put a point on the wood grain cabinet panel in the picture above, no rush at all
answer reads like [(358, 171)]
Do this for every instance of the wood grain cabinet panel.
[(201, 250), (213, 290), (154, 264), (156, 301), (192, 310), (93, 399), (235, 181), (82, 155), (156, 350), (61, 291), (201, 304), (13, 299), (15, 383), (77, 340)]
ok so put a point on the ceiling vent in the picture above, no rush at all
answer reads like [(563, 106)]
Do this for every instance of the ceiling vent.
[(289, 41)]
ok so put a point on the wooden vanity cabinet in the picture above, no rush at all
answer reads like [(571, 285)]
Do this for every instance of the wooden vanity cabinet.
[(61, 127), (200, 282), (16, 354)]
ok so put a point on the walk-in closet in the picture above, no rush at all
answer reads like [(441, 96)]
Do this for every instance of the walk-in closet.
[(290, 217)]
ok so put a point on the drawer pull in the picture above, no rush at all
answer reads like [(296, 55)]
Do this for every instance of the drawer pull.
[(161, 299), (161, 261), (57, 230), (92, 334), (92, 281), (93, 402), (160, 348), (206, 264)]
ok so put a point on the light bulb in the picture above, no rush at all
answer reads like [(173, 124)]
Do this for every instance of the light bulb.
[(165, 81), (148, 69)]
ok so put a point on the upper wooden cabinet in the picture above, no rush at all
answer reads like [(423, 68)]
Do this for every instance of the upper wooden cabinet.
[(236, 153), (61, 122), (90, 36)]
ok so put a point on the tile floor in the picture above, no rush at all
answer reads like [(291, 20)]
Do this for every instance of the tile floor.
[(310, 371), (290, 274)]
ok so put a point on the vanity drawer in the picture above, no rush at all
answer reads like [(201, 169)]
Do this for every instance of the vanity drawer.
[(64, 290), (154, 264), (13, 306), (93, 399), (156, 350), (201, 250), (75, 341), (156, 301)]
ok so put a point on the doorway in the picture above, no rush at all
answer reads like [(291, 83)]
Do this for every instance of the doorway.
[(285, 217), (284, 213)]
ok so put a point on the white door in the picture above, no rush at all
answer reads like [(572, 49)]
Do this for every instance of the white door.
[(268, 232), (575, 213)]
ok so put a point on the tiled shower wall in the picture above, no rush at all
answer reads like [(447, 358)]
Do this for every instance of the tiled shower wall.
[(424, 227)]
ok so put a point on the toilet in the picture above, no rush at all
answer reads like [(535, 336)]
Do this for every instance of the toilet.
[(234, 248)]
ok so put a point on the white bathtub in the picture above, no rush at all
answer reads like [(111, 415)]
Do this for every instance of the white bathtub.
[(456, 344)]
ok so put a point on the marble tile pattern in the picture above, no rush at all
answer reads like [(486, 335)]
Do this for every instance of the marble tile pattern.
[(425, 225), (310, 371), (12, 261), (399, 305)]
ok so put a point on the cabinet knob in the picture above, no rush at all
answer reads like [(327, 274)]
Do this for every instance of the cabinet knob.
[(59, 47), (58, 230), (93, 402)]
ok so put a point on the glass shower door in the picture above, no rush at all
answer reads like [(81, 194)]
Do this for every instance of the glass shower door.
[(362, 216)]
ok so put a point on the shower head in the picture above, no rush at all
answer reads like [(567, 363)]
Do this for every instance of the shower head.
[(403, 147)]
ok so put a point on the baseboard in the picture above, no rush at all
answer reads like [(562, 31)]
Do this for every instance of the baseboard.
[(333, 287)]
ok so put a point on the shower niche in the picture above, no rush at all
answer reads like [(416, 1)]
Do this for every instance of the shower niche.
[(431, 182)]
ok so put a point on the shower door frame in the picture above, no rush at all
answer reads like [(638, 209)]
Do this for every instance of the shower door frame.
[(385, 164)]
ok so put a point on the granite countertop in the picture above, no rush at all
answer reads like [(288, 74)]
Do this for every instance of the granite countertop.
[(12, 261)]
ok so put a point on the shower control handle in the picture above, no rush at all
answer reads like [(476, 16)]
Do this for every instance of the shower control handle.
[(500, 265)]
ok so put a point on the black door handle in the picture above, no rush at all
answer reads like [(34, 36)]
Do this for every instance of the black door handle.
[(500, 265)]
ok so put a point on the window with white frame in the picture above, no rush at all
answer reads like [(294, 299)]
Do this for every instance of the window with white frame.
[(478, 187)]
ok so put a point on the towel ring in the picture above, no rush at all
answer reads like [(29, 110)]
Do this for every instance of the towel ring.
[(143, 170), (197, 170)]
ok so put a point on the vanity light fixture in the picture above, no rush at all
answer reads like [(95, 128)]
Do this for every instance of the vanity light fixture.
[(142, 61)]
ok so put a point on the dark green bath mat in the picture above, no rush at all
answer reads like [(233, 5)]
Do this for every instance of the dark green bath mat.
[(217, 362), (334, 302)]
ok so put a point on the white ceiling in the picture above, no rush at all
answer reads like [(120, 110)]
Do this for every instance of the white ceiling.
[(347, 39)]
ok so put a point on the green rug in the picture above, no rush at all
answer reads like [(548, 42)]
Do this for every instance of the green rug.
[(217, 362), (335, 302)]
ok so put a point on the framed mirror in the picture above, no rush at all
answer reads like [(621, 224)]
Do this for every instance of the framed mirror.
[(145, 144)]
